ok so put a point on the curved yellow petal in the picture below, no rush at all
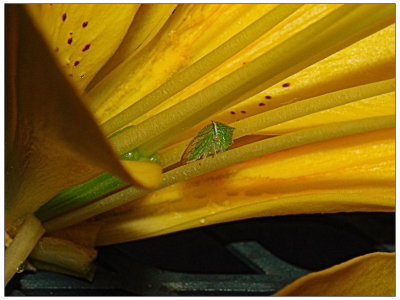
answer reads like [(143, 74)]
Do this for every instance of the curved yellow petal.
[(55, 142), (147, 23), (145, 174), (355, 173), (83, 36), (368, 275)]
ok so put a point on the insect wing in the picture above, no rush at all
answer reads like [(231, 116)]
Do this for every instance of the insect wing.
[(225, 134), (213, 138), (199, 147)]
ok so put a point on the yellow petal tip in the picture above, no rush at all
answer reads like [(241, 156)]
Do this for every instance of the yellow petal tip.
[(145, 174)]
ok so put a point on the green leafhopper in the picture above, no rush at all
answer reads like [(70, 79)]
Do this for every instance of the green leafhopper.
[(212, 139)]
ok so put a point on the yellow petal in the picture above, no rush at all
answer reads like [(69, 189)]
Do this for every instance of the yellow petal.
[(83, 36), (86, 238), (368, 275), (54, 140), (147, 23), (354, 173), (145, 174)]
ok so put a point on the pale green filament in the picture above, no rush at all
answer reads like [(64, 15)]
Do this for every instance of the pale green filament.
[(335, 31), (189, 75), (240, 154)]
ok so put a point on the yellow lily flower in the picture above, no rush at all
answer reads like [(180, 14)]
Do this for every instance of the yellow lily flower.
[(367, 275), (309, 89)]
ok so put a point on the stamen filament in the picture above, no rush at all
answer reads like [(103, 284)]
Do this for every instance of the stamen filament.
[(290, 140), (183, 79), (317, 41)]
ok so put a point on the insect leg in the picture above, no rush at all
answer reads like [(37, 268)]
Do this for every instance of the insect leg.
[(215, 150)]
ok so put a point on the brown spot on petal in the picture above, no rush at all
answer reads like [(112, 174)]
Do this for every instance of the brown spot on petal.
[(64, 17), (69, 41), (268, 97), (286, 84), (261, 104), (232, 112), (243, 111), (76, 63), (84, 24), (86, 48)]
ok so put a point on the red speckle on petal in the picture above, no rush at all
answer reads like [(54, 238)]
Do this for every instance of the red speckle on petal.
[(261, 104), (268, 97), (69, 41), (286, 84), (232, 112), (86, 47), (76, 63), (243, 111), (64, 17), (84, 24), (70, 33)]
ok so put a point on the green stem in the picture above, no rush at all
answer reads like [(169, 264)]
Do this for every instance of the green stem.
[(335, 31), (78, 195), (195, 71), (224, 159), (88, 191)]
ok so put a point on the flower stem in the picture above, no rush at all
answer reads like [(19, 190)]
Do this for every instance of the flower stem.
[(290, 140), (25, 240), (78, 195)]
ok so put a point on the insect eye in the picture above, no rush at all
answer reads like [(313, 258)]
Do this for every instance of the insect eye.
[(216, 137)]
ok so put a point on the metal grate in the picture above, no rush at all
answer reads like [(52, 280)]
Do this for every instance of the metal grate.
[(253, 257)]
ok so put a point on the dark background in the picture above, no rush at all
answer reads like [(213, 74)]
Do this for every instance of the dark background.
[(310, 242)]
